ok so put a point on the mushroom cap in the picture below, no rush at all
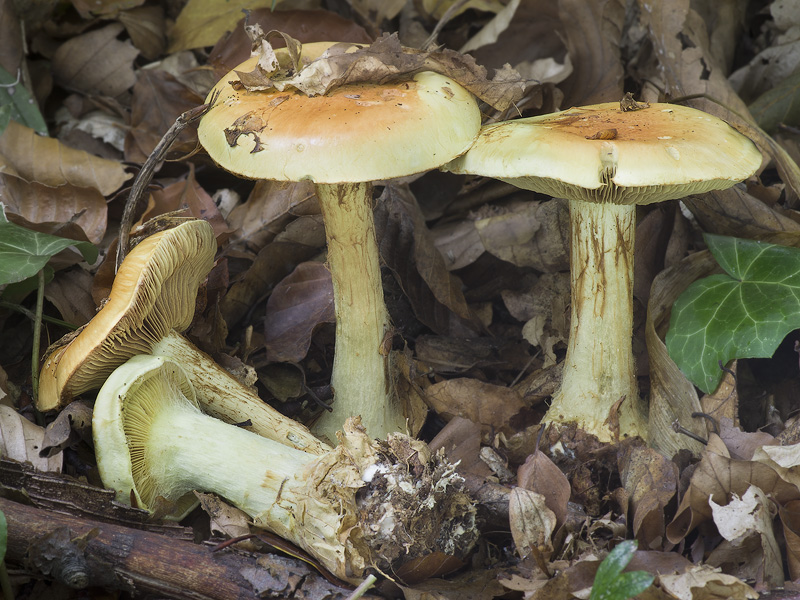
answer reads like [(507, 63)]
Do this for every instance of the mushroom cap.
[(153, 292), (601, 154), (356, 133), (124, 409)]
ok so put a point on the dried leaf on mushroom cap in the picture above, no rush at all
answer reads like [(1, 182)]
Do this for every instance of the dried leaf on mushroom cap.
[(386, 61)]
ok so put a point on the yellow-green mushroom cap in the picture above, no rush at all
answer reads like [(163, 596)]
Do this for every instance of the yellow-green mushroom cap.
[(357, 133), (600, 153), (153, 292)]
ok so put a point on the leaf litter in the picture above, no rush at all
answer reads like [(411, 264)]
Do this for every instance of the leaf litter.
[(470, 271)]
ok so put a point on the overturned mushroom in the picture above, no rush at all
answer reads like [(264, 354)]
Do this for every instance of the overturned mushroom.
[(606, 161), (151, 301), (363, 505), (342, 142)]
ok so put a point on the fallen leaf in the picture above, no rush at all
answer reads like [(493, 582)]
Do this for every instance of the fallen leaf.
[(651, 481), (702, 582), (21, 440), (147, 27), (593, 32), (540, 474), (790, 520), (532, 523), (202, 22), (297, 306), (158, 100), (492, 407), (715, 478), (70, 293), (96, 63), (46, 161)]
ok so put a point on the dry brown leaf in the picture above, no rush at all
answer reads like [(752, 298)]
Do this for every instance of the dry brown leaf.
[(672, 396), (303, 25), (651, 482), (750, 551), (407, 249), (71, 293), (461, 440), (680, 39), (540, 474), (386, 60), (702, 582), (784, 460), (53, 207), (203, 22), (298, 305), (225, 519), (532, 523), (189, 196), (96, 63), (492, 407), (158, 99), (21, 440), (593, 32), (790, 520), (107, 8), (734, 212), (147, 28), (715, 478), (269, 208), (70, 426), (741, 444), (46, 161)]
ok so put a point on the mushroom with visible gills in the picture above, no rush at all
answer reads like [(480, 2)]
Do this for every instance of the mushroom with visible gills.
[(343, 141), (605, 162), (358, 506), (152, 300)]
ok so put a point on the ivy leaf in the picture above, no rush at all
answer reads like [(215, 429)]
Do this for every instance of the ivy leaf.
[(23, 253), (610, 583), (743, 313)]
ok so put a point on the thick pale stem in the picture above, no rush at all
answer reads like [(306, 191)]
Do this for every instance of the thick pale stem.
[(360, 376), (224, 397), (269, 481), (599, 368)]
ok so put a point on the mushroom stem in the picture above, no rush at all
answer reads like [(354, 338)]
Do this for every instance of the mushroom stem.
[(360, 505), (360, 378), (223, 396), (599, 367)]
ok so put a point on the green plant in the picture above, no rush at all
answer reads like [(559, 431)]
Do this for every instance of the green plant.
[(5, 583), (744, 312), (610, 583)]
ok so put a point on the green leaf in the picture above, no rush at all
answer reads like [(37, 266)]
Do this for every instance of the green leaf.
[(23, 253), (744, 313), (610, 583), (19, 104)]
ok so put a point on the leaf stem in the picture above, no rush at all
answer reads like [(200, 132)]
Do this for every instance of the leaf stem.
[(32, 315), (37, 333)]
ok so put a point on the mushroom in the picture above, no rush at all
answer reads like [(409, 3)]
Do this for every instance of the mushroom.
[(343, 141), (360, 505), (606, 161), (152, 299)]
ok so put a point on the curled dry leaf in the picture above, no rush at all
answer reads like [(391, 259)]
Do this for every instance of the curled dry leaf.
[(96, 63), (45, 160), (67, 210), (750, 550), (790, 519), (406, 247), (593, 32), (72, 424), (540, 474), (225, 519), (651, 481), (702, 582), (672, 395), (21, 440), (493, 407), (715, 478), (532, 523), (386, 60), (298, 305), (784, 460)]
